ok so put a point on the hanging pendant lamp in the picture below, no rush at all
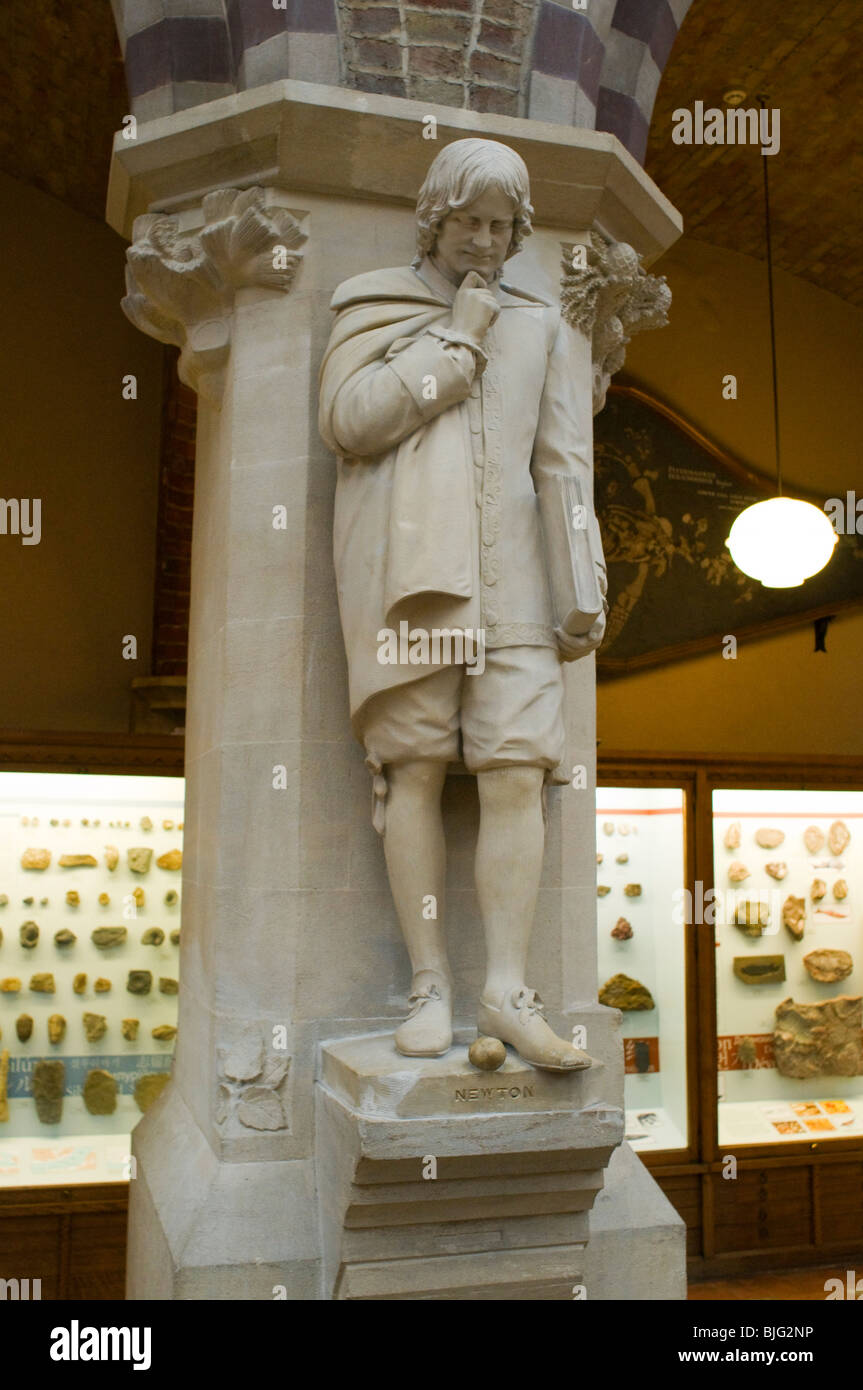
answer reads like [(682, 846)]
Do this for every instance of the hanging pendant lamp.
[(783, 541)]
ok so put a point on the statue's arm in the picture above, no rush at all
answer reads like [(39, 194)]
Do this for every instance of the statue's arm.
[(379, 406)]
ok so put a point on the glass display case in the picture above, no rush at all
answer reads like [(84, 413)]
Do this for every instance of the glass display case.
[(90, 902), (788, 898), (643, 952)]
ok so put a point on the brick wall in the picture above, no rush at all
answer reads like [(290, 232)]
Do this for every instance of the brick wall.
[(174, 524)]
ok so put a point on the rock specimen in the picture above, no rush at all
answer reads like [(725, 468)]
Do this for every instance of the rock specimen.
[(139, 982), (819, 1039), (164, 1033), (73, 898), (173, 860), (737, 872), (632, 890), (146, 823), (49, 1079), (486, 1054), (608, 827), (818, 890), (838, 837), (599, 859), (778, 869), (175, 937), (153, 936), (622, 992), (747, 1052), (100, 1092), (794, 916), (622, 930), (42, 983), (106, 937), (139, 897), (602, 889), (95, 1027), (751, 917), (4, 1085), (167, 825), (622, 859), (65, 937), (840, 889), (28, 935), (78, 861), (35, 859), (813, 839), (28, 902), (104, 899), (139, 860), (129, 1029), (24, 1027), (112, 857), (56, 1028), (168, 986), (11, 985), (760, 970), (769, 839), (101, 985), (148, 1088), (79, 984), (172, 897), (731, 838), (4, 899), (828, 967)]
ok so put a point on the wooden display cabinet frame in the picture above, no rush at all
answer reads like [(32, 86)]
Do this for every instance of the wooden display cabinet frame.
[(792, 1204)]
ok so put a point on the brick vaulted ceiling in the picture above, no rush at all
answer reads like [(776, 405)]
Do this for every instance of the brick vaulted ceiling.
[(808, 59)]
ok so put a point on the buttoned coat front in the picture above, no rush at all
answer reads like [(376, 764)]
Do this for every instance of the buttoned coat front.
[(440, 452)]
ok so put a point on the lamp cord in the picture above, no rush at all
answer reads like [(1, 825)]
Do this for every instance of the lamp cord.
[(764, 158)]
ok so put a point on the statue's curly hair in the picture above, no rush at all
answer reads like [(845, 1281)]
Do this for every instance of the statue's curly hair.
[(460, 174)]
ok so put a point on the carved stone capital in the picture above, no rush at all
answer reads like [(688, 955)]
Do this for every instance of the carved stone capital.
[(610, 298), (181, 285)]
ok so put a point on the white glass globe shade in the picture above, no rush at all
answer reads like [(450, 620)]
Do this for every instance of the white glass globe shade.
[(781, 542)]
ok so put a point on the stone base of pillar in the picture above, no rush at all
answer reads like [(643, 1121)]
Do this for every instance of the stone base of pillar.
[(438, 1181), (637, 1248)]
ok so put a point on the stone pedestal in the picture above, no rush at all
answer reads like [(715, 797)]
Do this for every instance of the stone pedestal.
[(290, 946)]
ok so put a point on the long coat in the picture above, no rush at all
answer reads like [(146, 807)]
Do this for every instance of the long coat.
[(439, 458)]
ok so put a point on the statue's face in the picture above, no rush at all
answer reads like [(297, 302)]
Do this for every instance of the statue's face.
[(477, 236)]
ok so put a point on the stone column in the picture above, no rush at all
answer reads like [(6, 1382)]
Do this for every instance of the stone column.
[(285, 1160)]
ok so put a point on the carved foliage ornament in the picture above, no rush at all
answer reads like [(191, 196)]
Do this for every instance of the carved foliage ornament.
[(180, 285), (610, 298)]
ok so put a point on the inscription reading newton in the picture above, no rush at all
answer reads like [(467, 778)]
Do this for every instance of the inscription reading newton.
[(493, 1092)]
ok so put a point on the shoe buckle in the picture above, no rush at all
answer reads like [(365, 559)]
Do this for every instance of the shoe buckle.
[(421, 997)]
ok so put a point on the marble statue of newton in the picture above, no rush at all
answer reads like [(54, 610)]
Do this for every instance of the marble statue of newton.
[(450, 399)]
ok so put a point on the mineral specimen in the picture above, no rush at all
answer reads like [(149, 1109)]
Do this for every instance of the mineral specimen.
[(139, 897), (813, 838), (35, 859), (95, 1026), (175, 937), (794, 916), (487, 1054), (173, 859), (23, 1027), (139, 860), (632, 890), (828, 967), (760, 970), (840, 889), (104, 899), (737, 872), (769, 839), (28, 902), (79, 984), (608, 827), (168, 986), (129, 1029), (106, 937), (139, 982), (818, 889), (56, 1028), (751, 917), (146, 823), (4, 899), (599, 859), (28, 935), (167, 825), (172, 897), (65, 937), (112, 857), (101, 985), (4, 1082), (100, 1092), (778, 870), (838, 837), (622, 859), (819, 1039), (731, 838), (622, 930), (77, 861), (148, 1088), (153, 936), (622, 992), (747, 1052), (602, 889), (11, 985), (73, 898), (164, 1033), (42, 983), (49, 1080)]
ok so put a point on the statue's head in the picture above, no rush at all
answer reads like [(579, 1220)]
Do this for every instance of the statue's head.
[(473, 211)]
